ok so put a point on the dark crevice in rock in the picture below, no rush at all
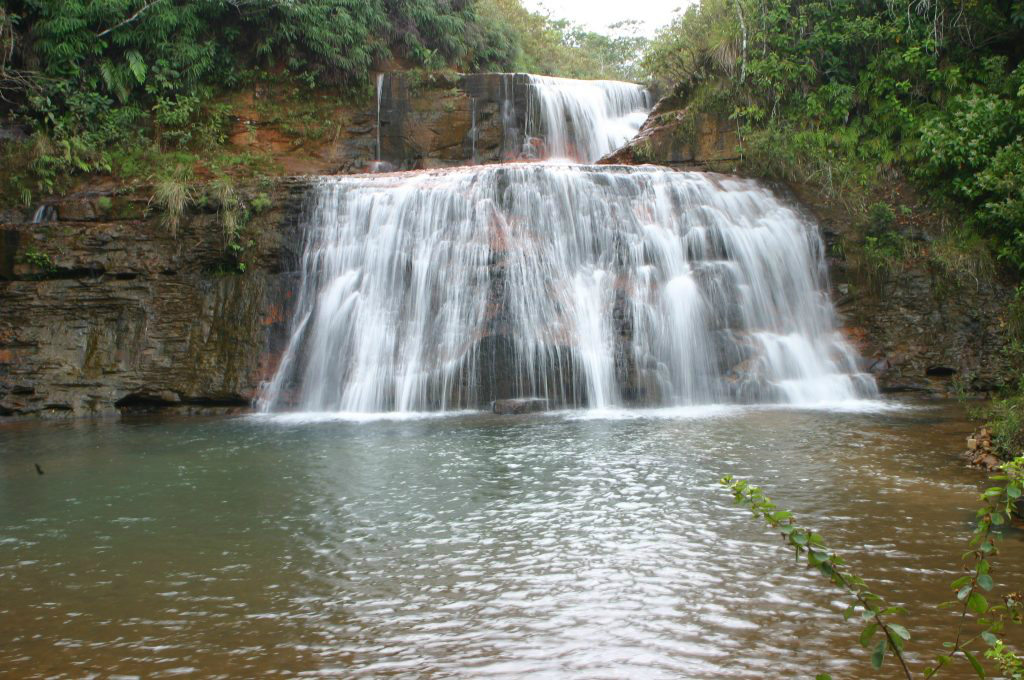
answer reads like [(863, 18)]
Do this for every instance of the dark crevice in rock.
[(66, 273), (940, 371), (900, 388), (141, 401)]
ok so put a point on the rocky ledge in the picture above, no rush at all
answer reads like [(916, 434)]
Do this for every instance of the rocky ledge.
[(105, 309)]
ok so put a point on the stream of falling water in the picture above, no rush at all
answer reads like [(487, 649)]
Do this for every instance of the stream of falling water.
[(586, 286), (582, 120)]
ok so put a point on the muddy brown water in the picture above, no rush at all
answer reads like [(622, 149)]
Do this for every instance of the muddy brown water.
[(566, 545)]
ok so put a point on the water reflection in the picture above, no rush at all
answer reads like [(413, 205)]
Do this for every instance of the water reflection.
[(469, 546)]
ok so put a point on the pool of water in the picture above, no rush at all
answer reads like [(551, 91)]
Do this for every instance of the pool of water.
[(572, 545)]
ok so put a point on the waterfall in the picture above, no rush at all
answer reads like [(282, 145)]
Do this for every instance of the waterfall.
[(510, 145), (44, 213), (582, 120), (587, 286), (380, 87)]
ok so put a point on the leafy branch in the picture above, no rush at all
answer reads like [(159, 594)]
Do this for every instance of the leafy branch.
[(879, 630)]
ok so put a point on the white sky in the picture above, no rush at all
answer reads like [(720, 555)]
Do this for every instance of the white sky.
[(597, 15)]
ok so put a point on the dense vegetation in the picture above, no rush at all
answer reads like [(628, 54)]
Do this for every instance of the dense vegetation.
[(560, 48), (136, 88)]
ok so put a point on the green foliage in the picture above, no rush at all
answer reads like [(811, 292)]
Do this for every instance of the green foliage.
[(1011, 666), (555, 47), (260, 204), (38, 259), (879, 632), (236, 213), (1005, 419), (976, 146), (702, 44)]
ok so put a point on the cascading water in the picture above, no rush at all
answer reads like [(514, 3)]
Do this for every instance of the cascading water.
[(582, 120), (380, 87), (582, 285), (44, 213)]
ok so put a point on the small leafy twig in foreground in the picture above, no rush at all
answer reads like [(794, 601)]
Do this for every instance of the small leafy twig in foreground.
[(871, 608), (999, 504)]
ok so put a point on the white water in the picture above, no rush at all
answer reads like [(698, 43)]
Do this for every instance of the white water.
[(587, 286), (582, 120), (44, 213), (380, 86)]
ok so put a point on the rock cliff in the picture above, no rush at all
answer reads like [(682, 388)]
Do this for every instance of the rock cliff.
[(105, 309)]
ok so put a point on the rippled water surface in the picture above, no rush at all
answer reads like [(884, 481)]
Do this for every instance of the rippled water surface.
[(569, 545)]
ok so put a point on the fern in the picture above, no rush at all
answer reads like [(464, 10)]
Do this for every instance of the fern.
[(137, 66)]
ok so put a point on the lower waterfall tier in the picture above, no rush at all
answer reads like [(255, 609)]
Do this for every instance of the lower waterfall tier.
[(586, 286)]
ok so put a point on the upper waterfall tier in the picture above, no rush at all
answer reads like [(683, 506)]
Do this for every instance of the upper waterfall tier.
[(445, 121), (583, 120), (585, 286)]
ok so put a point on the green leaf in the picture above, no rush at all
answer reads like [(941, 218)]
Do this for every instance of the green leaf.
[(1013, 491), (850, 612), (977, 603), (989, 638), (898, 630), (985, 581), (964, 592), (960, 582), (878, 656), (867, 634), (822, 676), (137, 66), (975, 664)]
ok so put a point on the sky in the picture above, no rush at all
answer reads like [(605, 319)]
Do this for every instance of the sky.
[(598, 14)]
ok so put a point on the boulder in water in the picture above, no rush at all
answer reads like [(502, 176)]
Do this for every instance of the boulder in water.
[(504, 407)]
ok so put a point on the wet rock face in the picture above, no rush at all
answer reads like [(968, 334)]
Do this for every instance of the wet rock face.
[(918, 336), (102, 314), (921, 332), (519, 406), (680, 138), (440, 120)]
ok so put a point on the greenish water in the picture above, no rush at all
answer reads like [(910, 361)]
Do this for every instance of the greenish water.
[(470, 545)]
